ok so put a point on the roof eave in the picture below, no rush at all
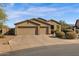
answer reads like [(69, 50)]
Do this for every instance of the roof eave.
[(55, 21), (25, 21)]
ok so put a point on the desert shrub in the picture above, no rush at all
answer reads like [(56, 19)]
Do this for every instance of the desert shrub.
[(77, 30), (60, 34), (70, 35), (2, 36)]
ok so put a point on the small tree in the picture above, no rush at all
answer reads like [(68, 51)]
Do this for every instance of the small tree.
[(3, 17), (64, 25)]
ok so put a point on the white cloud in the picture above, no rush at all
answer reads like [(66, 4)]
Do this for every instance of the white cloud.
[(41, 9), (34, 11)]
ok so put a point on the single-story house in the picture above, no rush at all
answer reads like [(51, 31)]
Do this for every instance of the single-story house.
[(36, 26)]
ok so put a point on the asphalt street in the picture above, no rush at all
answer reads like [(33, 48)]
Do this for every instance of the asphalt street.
[(53, 50)]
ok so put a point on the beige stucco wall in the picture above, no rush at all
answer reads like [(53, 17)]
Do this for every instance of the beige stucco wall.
[(26, 24), (49, 30), (59, 27), (41, 24)]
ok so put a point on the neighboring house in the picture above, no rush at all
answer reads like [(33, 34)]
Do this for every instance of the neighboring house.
[(77, 24), (36, 26)]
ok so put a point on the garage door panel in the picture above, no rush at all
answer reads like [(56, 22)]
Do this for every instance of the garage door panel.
[(26, 31), (43, 31)]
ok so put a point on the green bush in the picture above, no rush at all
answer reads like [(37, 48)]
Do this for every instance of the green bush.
[(70, 35), (60, 34)]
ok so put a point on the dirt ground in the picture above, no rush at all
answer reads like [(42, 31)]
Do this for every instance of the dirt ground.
[(4, 44), (13, 43)]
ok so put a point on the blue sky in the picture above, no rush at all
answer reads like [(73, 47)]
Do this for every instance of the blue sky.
[(16, 12)]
